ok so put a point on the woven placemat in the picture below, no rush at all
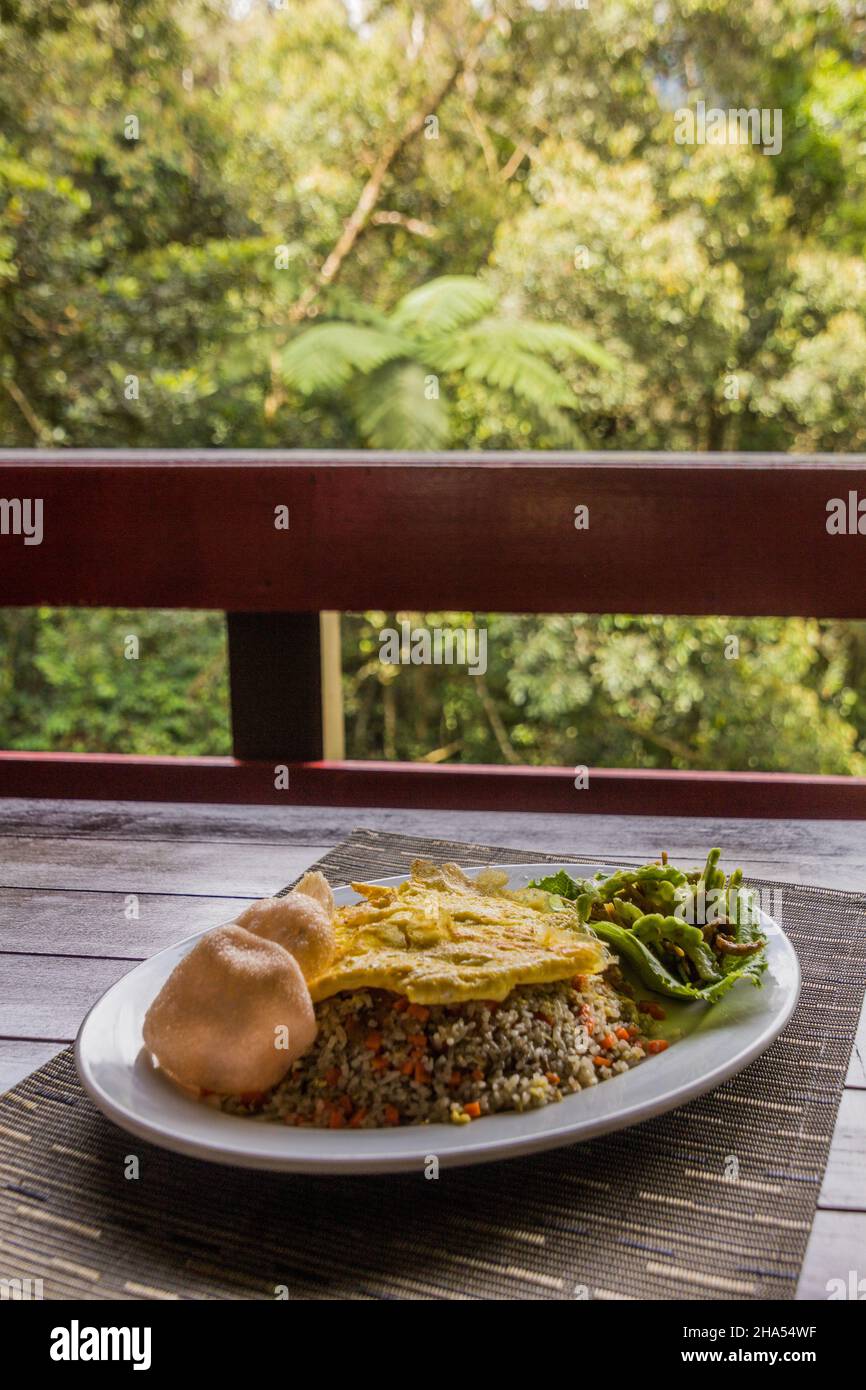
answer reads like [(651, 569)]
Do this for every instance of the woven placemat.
[(646, 1213)]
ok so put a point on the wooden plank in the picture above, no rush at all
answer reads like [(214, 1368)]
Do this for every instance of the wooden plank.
[(830, 853), (275, 677), (611, 791), (436, 531), (124, 925), (793, 843), (171, 864), (121, 866), (19, 1058), (136, 820), (835, 1249), (844, 1186), (44, 998), (248, 869)]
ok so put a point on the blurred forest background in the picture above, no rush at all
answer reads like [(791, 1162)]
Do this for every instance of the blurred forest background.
[(266, 225)]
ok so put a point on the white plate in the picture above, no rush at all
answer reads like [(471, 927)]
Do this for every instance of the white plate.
[(717, 1042)]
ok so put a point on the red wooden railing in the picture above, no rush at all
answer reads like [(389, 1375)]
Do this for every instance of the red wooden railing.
[(683, 534)]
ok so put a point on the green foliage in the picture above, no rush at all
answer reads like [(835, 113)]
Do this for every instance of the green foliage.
[(285, 251), (67, 682), (619, 692)]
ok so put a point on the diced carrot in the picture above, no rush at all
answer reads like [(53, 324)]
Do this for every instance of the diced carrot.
[(373, 1041), (649, 1006), (473, 1109), (336, 1119), (420, 1072), (552, 1078), (358, 1118), (417, 1040), (392, 1115), (408, 1067), (456, 1078), (622, 1034), (658, 1045), (633, 1033), (601, 1061), (380, 1063), (419, 1011), (332, 1076), (400, 1003), (608, 1042)]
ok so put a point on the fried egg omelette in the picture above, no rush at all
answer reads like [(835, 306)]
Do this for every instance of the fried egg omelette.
[(442, 938)]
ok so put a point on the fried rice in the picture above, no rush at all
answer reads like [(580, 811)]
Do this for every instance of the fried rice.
[(379, 1060)]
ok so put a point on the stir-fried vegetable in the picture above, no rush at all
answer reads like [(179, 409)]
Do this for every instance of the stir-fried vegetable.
[(689, 935)]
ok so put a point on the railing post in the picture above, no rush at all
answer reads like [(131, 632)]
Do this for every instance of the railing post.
[(275, 675), (333, 718)]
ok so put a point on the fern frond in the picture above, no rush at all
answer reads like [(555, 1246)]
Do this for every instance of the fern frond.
[(326, 356), (504, 367), (393, 411), (554, 339), (443, 304)]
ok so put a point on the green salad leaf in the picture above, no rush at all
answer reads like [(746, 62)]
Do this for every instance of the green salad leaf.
[(562, 885)]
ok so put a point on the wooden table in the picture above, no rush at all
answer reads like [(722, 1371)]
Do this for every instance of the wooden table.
[(88, 888)]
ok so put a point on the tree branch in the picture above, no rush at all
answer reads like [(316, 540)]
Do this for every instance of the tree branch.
[(510, 168), (411, 224), (372, 190), (41, 432), (670, 745), (494, 719), (483, 139)]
